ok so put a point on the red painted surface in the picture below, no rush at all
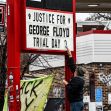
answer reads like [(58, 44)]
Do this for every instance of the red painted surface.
[(23, 22), (74, 27), (68, 73), (13, 54), (16, 15), (23, 32), (67, 77)]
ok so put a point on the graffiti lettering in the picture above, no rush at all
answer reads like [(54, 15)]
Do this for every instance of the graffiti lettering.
[(105, 79), (22, 87), (34, 93), (26, 90), (34, 87), (28, 104)]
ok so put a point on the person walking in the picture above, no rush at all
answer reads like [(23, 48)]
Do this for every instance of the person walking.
[(75, 85)]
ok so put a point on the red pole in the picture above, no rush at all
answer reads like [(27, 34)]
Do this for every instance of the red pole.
[(67, 70), (13, 54), (74, 28), (67, 77)]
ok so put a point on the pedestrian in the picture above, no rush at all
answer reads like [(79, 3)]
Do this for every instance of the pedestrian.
[(75, 85)]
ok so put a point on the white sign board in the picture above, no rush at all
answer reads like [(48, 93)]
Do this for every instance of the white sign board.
[(99, 106), (86, 99), (92, 106), (49, 30), (109, 98)]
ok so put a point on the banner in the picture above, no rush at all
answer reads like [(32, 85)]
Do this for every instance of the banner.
[(5, 108), (34, 93)]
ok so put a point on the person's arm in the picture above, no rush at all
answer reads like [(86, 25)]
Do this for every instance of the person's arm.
[(69, 53), (71, 63), (65, 82)]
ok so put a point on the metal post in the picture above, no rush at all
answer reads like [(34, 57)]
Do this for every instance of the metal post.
[(13, 54), (74, 28), (67, 77), (67, 70)]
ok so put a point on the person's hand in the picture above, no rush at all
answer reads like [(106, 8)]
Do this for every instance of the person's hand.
[(69, 53), (65, 82)]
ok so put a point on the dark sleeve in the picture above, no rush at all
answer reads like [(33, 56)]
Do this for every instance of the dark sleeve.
[(75, 85), (71, 86), (71, 64)]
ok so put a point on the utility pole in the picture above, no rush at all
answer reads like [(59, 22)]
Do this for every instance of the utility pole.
[(13, 54)]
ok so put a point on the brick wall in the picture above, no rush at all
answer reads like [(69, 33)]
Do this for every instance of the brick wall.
[(57, 89), (96, 69)]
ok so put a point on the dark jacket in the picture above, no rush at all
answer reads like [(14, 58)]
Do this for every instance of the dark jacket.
[(75, 85), (75, 89)]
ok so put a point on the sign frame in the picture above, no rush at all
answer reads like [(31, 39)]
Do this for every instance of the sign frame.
[(43, 51), (16, 28)]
